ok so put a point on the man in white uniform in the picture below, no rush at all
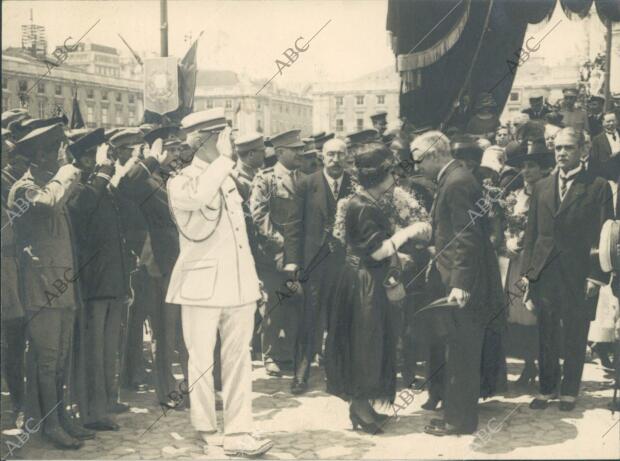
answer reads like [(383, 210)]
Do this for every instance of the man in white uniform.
[(215, 282)]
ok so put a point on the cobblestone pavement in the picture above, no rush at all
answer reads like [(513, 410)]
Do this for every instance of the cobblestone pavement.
[(316, 425)]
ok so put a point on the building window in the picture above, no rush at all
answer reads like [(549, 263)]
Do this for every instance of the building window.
[(23, 85), (41, 88), (104, 95), (5, 103), (119, 116), (258, 106), (90, 93), (42, 109), (132, 117), (514, 96), (339, 124), (119, 97), (58, 90), (360, 124), (339, 100), (132, 98), (228, 104), (5, 84), (359, 100), (104, 116), (380, 99), (259, 126), (209, 103), (90, 114)]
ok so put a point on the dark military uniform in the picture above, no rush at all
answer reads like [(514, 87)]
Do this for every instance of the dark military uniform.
[(44, 237), (13, 332), (272, 206)]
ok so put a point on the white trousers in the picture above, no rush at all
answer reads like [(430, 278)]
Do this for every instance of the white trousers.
[(200, 327)]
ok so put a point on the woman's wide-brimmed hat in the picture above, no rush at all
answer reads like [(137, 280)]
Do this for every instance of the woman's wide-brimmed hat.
[(538, 153)]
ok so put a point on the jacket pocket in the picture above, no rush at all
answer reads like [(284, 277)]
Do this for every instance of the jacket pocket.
[(199, 278)]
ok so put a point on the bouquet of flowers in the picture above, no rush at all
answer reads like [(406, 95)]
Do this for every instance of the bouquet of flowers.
[(516, 206), (401, 207)]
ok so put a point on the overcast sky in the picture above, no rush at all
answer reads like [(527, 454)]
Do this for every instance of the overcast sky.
[(244, 35)]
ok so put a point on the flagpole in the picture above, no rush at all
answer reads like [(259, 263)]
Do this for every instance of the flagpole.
[(163, 10)]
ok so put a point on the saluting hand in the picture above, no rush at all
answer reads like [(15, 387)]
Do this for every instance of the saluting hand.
[(101, 157), (157, 151), (224, 143)]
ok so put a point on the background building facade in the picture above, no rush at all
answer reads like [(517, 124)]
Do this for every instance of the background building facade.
[(46, 91), (270, 111), (345, 107)]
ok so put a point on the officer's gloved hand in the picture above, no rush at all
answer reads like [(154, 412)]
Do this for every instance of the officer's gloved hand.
[(224, 144)]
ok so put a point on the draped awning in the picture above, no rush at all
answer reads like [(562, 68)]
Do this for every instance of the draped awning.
[(448, 52)]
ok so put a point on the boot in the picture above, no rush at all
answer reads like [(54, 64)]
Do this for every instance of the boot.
[(74, 428), (60, 439)]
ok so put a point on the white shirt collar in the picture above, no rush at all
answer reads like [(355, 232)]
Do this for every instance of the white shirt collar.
[(445, 167), (571, 174), (331, 180)]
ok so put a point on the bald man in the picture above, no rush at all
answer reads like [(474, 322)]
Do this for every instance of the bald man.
[(314, 256)]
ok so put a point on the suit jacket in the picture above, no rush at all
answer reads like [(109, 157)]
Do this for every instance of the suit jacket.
[(313, 219), (464, 254), (147, 190), (600, 156), (567, 231), (215, 267), (44, 239), (100, 239)]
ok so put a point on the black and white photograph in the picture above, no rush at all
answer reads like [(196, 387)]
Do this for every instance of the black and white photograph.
[(310, 229)]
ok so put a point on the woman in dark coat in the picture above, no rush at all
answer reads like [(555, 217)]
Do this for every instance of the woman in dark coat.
[(363, 328)]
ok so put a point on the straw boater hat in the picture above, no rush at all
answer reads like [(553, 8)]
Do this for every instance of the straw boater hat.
[(538, 153)]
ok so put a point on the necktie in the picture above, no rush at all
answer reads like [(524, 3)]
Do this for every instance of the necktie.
[(335, 188), (564, 183), (613, 136)]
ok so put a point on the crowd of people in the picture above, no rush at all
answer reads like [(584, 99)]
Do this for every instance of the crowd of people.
[(367, 255)]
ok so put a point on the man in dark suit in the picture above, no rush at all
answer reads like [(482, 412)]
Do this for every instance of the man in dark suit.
[(145, 185), (469, 271), (567, 211), (314, 254), (105, 284), (605, 146)]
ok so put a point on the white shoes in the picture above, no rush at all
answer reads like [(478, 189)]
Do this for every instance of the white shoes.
[(246, 445), (212, 438)]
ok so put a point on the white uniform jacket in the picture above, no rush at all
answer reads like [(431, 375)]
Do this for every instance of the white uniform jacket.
[(215, 267)]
